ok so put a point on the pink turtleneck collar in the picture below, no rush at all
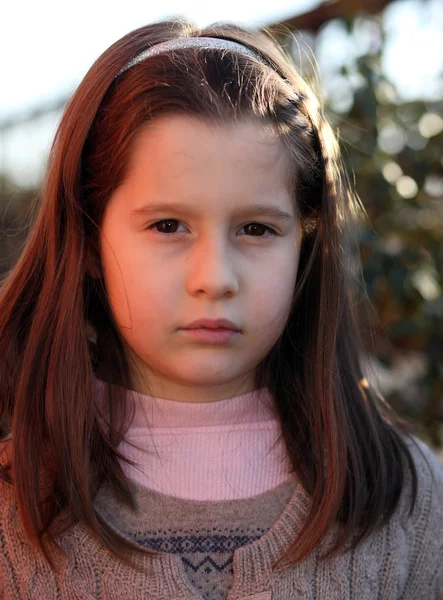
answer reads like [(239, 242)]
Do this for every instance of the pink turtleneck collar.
[(211, 451)]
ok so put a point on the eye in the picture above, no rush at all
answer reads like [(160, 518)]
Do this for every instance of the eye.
[(271, 231), (160, 225)]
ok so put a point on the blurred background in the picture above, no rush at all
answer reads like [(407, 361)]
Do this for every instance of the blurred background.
[(379, 64)]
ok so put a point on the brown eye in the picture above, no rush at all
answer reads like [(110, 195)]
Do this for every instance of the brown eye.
[(164, 227), (254, 227)]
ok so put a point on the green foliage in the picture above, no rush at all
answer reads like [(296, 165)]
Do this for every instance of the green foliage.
[(393, 153)]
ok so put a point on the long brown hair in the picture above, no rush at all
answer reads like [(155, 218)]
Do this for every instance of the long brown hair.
[(345, 446)]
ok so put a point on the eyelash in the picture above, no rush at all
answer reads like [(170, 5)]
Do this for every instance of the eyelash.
[(272, 231)]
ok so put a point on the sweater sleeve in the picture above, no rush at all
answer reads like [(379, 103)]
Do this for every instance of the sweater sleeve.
[(437, 470), (6, 500), (426, 574)]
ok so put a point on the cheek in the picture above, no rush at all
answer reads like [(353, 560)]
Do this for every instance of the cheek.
[(140, 296), (270, 311), (152, 306), (270, 304), (123, 280), (277, 278)]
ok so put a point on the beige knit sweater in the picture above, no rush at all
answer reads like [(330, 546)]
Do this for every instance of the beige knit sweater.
[(403, 560)]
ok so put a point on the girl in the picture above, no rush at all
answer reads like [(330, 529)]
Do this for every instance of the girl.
[(183, 403)]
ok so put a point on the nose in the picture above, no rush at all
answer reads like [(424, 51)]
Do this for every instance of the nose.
[(213, 268)]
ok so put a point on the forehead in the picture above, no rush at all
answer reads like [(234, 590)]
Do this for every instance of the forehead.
[(179, 151)]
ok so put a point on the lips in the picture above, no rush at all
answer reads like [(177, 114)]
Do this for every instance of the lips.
[(213, 324)]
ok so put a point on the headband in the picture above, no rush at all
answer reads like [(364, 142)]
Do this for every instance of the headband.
[(192, 42)]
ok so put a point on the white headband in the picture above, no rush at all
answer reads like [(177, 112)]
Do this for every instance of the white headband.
[(192, 42)]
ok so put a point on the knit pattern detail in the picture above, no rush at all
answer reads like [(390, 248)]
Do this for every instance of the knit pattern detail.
[(205, 534), (402, 560)]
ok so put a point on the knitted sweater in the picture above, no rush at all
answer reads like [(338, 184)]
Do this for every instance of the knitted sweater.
[(212, 549)]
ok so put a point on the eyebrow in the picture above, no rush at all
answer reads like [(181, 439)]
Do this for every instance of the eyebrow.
[(258, 209)]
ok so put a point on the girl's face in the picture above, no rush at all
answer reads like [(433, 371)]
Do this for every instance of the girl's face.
[(199, 256)]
